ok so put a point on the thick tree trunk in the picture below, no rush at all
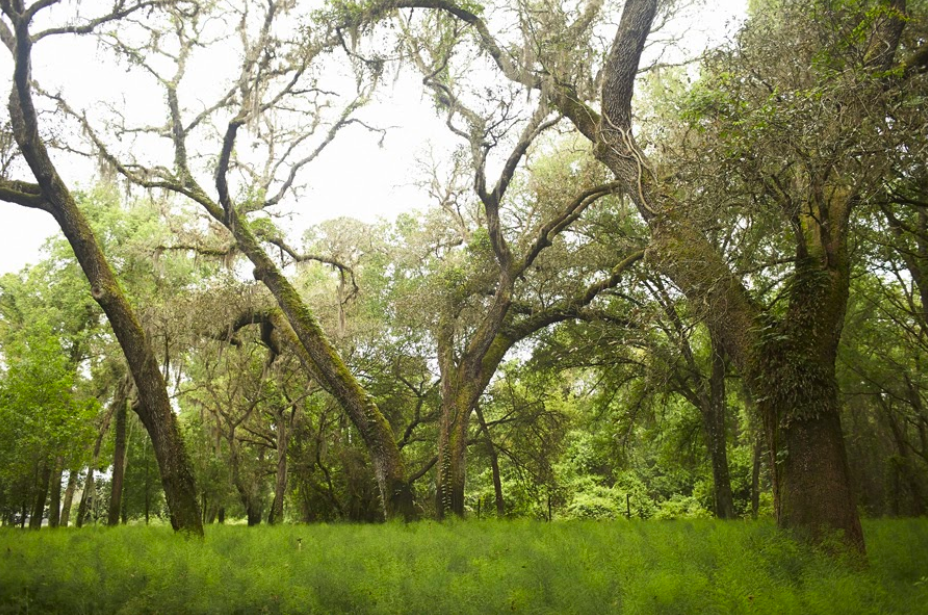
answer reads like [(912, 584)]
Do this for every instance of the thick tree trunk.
[(41, 495), (451, 467), (119, 465), (68, 497), (54, 503), (714, 424), (815, 489), (155, 408), (253, 512)]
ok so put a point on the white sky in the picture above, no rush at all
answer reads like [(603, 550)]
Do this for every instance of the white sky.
[(383, 187)]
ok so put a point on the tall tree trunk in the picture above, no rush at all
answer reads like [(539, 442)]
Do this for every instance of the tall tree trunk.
[(68, 497), (119, 466), (280, 485), (714, 424), (52, 195), (85, 507), (54, 503), (41, 495)]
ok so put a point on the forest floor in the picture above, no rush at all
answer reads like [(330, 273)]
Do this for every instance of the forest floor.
[(637, 567)]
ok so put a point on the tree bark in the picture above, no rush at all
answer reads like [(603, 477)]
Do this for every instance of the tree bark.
[(716, 432), (68, 497), (54, 503), (86, 497), (52, 195), (41, 495), (452, 448), (755, 477), (119, 465)]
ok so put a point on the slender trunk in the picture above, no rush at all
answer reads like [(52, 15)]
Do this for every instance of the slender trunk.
[(86, 497), (38, 508), (755, 477), (714, 424), (54, 503), (68, 497), (280, 486), (494, 464), (119, 465)]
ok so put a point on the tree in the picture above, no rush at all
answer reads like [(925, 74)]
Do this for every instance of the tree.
[(274, 85), (50, 193), (786, 354)]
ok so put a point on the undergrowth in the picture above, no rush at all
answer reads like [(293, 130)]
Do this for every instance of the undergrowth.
[(685, 567)]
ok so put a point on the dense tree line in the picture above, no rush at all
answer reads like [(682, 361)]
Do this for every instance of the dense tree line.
[(637, 288)]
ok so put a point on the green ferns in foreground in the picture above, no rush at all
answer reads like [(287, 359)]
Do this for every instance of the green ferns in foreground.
[(633, 567)]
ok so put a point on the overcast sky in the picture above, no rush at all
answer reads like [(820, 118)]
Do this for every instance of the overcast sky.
[(383, 188)]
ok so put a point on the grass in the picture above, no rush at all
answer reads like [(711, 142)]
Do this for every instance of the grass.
[(686, 567)]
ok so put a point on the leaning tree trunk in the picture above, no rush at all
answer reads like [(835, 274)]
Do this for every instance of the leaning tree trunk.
[(52, 195), (68, 497), (119, 466), (86, 496)]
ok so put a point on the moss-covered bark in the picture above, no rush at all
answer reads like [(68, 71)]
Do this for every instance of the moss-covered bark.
[(53, 195), (328, 366)]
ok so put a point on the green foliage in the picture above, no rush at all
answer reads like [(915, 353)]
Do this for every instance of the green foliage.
[(478, 567)]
